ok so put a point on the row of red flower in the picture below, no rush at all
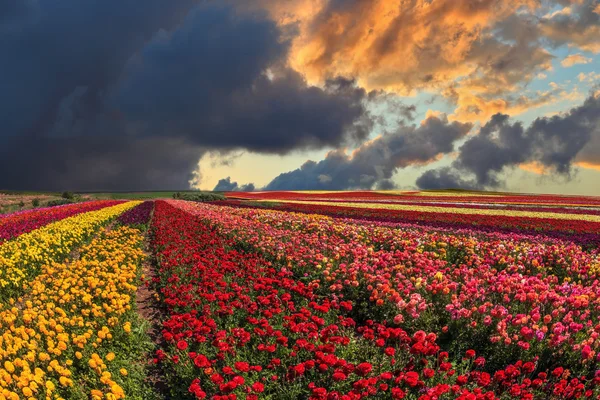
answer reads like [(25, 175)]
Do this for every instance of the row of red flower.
[(16, 224), (241, 326)]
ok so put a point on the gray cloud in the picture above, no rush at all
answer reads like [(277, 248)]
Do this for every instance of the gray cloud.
[(580, 27), (172, 87), (225, 185), (374, 163), (68, 45), (555, 143), (386, 184), (15, 13), (108, 86), (59, 59), (98, 163), (444, 178)]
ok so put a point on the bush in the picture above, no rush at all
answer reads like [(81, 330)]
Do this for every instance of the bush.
[(35, 202), (59, 202), (199, 196), (68, 195)]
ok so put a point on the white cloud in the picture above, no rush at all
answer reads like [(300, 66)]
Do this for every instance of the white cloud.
[(574, 59)]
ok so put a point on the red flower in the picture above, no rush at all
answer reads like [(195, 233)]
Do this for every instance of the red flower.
[(529, 367), (445, 366), (182, 345), (201, 361), (411, 378), (484, 379), (363, 369), (196, 390), (298, 370), (586, 352), (338, 376), (242, 366), (428, 372), (239, 380), (470, 354), (258, 387)]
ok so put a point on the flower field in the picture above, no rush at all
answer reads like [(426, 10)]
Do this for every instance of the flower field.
[(275, 304), (305, 298)]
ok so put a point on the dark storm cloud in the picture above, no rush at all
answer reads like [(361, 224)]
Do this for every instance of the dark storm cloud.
[(374, 163), (386, 184), (554, 143), (207, 81), (444, 178), (499, 143), (14, 14), (58, 60), (225, 185), (97, 163), (68, 45), (90, 88)]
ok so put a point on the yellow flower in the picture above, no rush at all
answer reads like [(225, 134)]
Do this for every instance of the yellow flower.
[(48, 243), (117, 390), (64, 381), (65, 307), (123, 371), (9, 366)]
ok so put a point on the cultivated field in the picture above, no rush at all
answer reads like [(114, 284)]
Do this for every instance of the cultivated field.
[(10, 201), (303, 295)]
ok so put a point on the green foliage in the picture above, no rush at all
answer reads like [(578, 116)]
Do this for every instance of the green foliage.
[(59, 202), (199, 196), (35, 202), (132, 195)]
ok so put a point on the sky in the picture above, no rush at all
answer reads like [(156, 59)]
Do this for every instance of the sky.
[(300, 95)]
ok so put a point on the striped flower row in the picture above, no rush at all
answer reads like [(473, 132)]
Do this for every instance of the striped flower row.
[(22, 258), (18, 223), (64, 338), (454, 210)]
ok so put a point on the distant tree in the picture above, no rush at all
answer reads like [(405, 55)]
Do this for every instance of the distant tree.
[(68, 195), (58, 202), (35, 202), (201, 196), (21, 204)]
